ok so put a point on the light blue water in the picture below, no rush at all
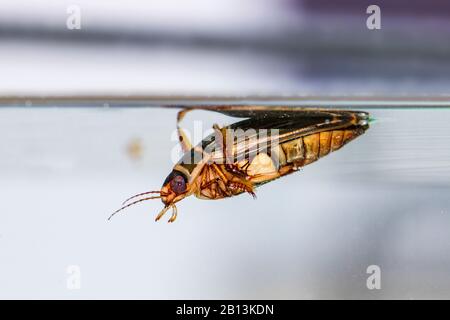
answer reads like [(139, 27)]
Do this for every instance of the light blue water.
[(381, 200)]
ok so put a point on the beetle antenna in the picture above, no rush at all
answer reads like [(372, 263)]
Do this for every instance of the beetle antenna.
[(130, 204), (141, 194)]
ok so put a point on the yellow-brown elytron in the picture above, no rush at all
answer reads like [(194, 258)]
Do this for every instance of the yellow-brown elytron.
[(273, 141)]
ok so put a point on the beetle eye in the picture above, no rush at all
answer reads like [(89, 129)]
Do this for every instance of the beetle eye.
[(178, 184)]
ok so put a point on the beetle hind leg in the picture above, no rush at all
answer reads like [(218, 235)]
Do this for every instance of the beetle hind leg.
[(186, 145)]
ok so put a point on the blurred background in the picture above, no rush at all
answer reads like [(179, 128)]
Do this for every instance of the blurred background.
[(199, 47), (382, 200)]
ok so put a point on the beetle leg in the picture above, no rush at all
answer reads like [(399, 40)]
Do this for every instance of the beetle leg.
[(184, 141), (174, 214), (219, 172), (182, 113), (163, 211), (220, 188), (242, 185), (245, 166), (209, 183), (182, 137), (236, 182), (235, 170)]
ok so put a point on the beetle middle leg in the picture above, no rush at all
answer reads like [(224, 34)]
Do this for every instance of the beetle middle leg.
[(235, 183), (238, 170)]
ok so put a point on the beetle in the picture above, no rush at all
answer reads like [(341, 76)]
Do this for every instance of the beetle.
[(224, 165)]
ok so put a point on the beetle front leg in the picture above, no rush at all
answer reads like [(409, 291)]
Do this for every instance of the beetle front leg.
[(174, 214), (163, 211)]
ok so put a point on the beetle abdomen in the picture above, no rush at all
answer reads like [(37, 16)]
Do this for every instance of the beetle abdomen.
[(302, 151), (307, 149)]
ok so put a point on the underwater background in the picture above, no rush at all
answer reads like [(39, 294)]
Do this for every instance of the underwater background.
[(66, 165)]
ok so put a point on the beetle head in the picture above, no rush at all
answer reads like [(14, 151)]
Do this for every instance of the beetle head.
[(174, 189)]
